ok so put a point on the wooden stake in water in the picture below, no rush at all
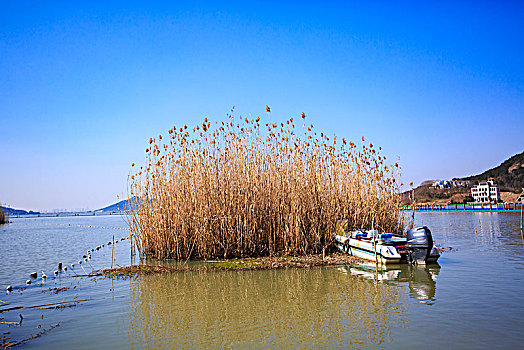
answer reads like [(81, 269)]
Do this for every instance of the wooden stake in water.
[(521, 227), (131, 246), (374, 242), (412, 206), (112, 251)]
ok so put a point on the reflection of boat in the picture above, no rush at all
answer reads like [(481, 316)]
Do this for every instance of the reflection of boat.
[(370, 272), (422, 282), (420, 279), (417, 247)]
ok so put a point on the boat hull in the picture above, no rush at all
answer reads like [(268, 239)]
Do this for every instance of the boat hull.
[(384, 255)]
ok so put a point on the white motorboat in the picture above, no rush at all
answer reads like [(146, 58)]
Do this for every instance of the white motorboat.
[(385, 248)]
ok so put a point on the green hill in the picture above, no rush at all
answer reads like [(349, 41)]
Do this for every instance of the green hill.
[(123, 205), (12, 212), (509, 175), (120, 206), (427, 194)]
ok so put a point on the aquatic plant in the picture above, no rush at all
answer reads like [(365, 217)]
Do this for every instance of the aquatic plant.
[(242, 188)]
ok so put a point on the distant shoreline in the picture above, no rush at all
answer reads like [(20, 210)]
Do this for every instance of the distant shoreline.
[(53, 215), (471, 207)]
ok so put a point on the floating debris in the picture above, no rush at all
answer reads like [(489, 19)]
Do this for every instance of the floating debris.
[(58, 306), (448, 249), (11, 344), (43, 305), (56, 290), (11, 309)]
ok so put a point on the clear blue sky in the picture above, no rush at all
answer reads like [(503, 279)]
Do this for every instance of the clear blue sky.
[(84, 85)]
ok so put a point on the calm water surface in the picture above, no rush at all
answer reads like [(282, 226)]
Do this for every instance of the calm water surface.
[(473, 298)]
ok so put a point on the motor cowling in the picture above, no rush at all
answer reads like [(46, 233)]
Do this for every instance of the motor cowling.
[(419, 243), (419, 237)]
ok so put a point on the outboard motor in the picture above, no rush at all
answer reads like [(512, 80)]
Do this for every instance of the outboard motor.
[(419, 243)]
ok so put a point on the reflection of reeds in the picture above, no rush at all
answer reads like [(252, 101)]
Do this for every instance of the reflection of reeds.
[(249, 189), (291, 308)]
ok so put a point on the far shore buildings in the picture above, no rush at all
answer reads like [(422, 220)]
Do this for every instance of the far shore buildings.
[(451, 183), (486, 192)]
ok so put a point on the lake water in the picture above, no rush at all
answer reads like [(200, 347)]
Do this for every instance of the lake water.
[(473, 298)]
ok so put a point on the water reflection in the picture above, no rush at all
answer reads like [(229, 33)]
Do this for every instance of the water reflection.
[(421, 280), (278, 308)]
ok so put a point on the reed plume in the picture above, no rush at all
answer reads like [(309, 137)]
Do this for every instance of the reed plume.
[(250, 189)]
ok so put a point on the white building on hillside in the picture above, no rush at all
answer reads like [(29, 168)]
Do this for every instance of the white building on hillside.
[(521, 197), (460, 183), (486, 191), (450, 184), (441, 184)]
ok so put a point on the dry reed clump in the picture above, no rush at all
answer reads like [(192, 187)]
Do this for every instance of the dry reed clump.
[(246, 189), (2, 215)]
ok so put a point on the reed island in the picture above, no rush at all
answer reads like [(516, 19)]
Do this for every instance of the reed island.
[(244, 188)]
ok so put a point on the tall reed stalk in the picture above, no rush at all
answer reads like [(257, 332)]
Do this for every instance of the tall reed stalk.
[(253, 189)]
